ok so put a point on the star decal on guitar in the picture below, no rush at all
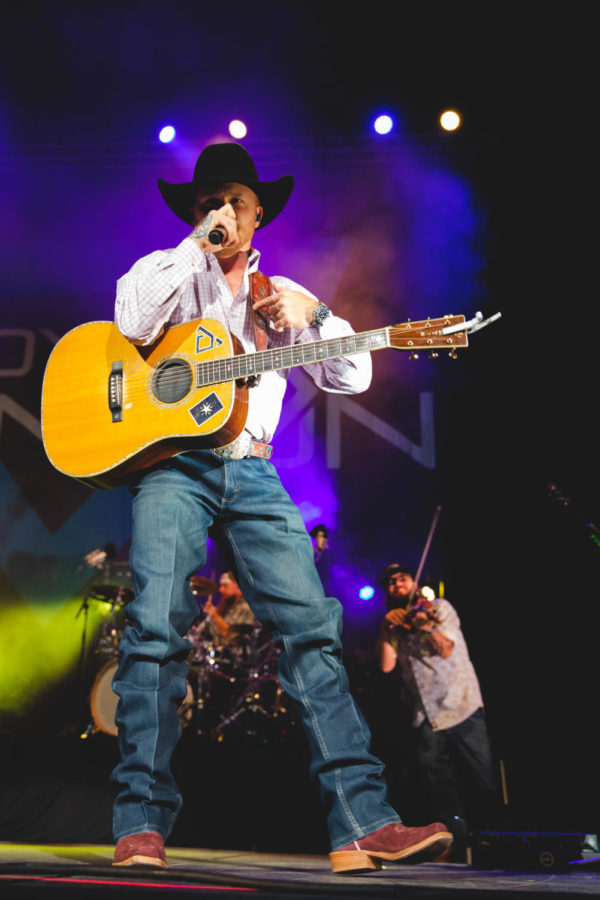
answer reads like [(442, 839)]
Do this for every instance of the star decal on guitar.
[(205, 409)]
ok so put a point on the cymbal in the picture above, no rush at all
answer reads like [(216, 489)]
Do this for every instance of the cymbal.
[(203, 586), (111, 593)]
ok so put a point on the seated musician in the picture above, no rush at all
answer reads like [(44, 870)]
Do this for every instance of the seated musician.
[(231, 611), (237, 489)]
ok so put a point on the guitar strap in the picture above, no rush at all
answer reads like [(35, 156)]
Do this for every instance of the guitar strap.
[(260, 287)]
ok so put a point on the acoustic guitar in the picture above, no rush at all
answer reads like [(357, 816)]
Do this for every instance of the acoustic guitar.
[(111, 408)]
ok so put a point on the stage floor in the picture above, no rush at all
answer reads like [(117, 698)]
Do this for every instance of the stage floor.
[(77, 870)]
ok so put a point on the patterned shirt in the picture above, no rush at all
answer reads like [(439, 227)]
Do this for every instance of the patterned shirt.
[(239, 613), (236, 613), (169, 287), (445, 691)]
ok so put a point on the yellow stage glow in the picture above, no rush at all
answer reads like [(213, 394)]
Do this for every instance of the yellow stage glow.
[(450, 120), (39, 644)]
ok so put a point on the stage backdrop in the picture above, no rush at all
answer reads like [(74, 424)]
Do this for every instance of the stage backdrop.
[(380, 232)]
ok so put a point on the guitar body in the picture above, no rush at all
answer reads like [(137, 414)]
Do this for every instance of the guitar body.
[(110, 408)]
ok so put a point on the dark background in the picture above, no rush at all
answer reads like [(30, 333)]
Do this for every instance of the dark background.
[(96, 81)]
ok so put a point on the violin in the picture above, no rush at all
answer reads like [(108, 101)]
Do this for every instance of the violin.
[(422, 604)]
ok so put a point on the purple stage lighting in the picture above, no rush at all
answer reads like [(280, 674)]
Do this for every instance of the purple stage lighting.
[(166, 134), (238, 129), (383, 124), (366, 592)]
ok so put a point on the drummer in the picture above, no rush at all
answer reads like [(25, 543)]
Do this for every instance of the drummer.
[(231, 612)]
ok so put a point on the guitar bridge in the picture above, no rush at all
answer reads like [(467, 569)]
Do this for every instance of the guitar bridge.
[(115, 392)]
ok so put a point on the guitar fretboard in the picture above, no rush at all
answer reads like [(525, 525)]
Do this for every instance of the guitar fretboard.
[(245, 365)]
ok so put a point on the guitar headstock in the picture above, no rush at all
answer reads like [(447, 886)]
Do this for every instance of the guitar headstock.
[(429, 335)]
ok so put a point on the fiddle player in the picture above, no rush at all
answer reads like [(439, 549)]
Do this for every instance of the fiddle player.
[(450, 752), (235, 490)]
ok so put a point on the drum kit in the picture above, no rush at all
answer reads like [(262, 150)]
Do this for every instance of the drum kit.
[(234, 678), (232, 684)]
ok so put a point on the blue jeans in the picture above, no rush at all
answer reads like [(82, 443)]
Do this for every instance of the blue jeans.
[(174, 505)]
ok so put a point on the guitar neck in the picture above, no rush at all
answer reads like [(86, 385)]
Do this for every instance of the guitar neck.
[(245, 365)]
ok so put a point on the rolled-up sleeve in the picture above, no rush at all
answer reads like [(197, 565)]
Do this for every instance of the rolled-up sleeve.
[(150, 291), (449, 624), (346, 375)]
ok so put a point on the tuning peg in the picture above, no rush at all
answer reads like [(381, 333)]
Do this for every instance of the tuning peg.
[(413, 355), (432, 354), (453, 354)]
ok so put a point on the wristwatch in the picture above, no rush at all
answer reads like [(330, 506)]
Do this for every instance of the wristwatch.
[(320, 314)]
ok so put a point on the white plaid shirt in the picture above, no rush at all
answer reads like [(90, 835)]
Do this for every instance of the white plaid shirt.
[(169, 287)]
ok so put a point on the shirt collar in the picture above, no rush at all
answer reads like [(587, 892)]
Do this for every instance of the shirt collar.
[(253, 260)]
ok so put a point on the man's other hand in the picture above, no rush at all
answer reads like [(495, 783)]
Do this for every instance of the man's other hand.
[(288, 309)]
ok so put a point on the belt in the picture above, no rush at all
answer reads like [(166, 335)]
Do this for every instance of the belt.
[(243, 447)]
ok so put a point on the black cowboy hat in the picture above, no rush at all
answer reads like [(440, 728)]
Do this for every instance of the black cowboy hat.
[(222, 163), (393, 569)]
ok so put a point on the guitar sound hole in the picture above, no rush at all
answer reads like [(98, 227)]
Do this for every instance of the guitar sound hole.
[(172, 380)]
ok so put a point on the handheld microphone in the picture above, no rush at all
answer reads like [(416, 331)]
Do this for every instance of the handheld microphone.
[(216, 236)]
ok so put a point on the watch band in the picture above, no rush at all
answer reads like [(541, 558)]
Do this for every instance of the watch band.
[(321, 313)]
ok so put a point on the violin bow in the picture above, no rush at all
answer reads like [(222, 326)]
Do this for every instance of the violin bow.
[(432, 527)]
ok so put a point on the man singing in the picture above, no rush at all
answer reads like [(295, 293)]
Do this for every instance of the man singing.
[(236, 491)]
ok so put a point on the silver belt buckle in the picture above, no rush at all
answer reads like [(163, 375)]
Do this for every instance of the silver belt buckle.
[(238, 449)]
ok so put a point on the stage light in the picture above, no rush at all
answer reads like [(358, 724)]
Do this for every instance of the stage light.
[(428, 593), (166, 134), (450, 120), (383, 124), (237, 129), (366, 592), (39, 645)]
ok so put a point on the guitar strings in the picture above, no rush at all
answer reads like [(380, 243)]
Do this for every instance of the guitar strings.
[(395, 331), (220, 362)]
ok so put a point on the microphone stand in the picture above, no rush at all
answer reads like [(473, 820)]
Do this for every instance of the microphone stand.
[(83, 652)]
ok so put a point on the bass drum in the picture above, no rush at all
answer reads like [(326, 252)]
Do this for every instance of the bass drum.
[(103, 701)]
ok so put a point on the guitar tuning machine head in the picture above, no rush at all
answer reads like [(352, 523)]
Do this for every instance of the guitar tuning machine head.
[(453, 354), (432, 354), (413, 355)]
